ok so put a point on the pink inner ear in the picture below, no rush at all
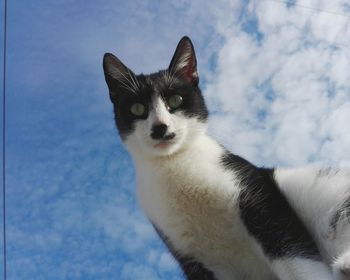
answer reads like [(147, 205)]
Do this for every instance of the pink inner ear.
[(190, 74)]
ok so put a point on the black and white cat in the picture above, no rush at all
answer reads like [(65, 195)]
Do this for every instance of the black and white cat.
[(220, 216)]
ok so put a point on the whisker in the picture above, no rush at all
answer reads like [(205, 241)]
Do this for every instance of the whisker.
[(132, 79), (131, 86), (126, 86), (137, 81)]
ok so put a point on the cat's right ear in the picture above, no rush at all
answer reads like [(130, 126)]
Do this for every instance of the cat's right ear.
[(117, 76)]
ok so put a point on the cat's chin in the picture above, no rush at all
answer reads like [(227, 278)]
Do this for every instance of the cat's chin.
[(165, 148)]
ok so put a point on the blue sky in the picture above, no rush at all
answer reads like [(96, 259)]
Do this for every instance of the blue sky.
[(275, 77)]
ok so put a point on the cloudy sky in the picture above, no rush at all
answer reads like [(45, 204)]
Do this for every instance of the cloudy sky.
[(275, 74)]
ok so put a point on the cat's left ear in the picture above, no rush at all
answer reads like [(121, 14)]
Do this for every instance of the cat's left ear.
[(184, 63)]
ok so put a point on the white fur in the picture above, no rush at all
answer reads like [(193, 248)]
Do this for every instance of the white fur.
[(185, 193), (192, 199), (195, 206), (316, 195), (342, 265), (140, 141), (300, 269)]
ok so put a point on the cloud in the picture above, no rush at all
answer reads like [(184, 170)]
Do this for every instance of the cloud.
[(275, 77), (278, 95), (70, 185)]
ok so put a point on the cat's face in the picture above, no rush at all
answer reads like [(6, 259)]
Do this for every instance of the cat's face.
[(161, 113)]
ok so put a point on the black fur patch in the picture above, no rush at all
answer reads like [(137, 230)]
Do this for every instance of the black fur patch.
[(193, 104), (123, 99), (192, 269), (181, 78), (267, 214)]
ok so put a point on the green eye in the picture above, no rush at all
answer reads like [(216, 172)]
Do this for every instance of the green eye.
[(138, 109), (175, 101)]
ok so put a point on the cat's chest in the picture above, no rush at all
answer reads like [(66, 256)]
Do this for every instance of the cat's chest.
[(196, 207), (185, 196)]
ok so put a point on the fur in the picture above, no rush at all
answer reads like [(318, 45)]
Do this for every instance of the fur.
[(220, 216), (321, 199)]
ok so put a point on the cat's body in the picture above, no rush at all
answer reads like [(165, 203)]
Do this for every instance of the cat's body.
[(193, 200), (220, 216), (321, 197)]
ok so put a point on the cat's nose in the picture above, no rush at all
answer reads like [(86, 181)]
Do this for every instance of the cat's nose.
[(159, 130)]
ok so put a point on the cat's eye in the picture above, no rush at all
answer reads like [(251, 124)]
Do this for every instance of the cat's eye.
[(175, 101), (138, 109)]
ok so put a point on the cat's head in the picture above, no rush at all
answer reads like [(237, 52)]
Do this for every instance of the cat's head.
[(161, 113)]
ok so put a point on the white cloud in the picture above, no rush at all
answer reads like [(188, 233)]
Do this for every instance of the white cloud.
[(279, 95), (297, 76), (132, 271)]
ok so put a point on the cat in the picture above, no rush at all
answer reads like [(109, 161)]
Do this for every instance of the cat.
[(220, 216)]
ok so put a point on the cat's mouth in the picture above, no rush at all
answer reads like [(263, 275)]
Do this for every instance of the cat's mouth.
[(166, 141)]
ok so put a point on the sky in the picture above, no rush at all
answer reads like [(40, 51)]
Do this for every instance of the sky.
[(275, 76)]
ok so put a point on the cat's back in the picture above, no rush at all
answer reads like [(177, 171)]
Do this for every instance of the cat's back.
[(321, 197)]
